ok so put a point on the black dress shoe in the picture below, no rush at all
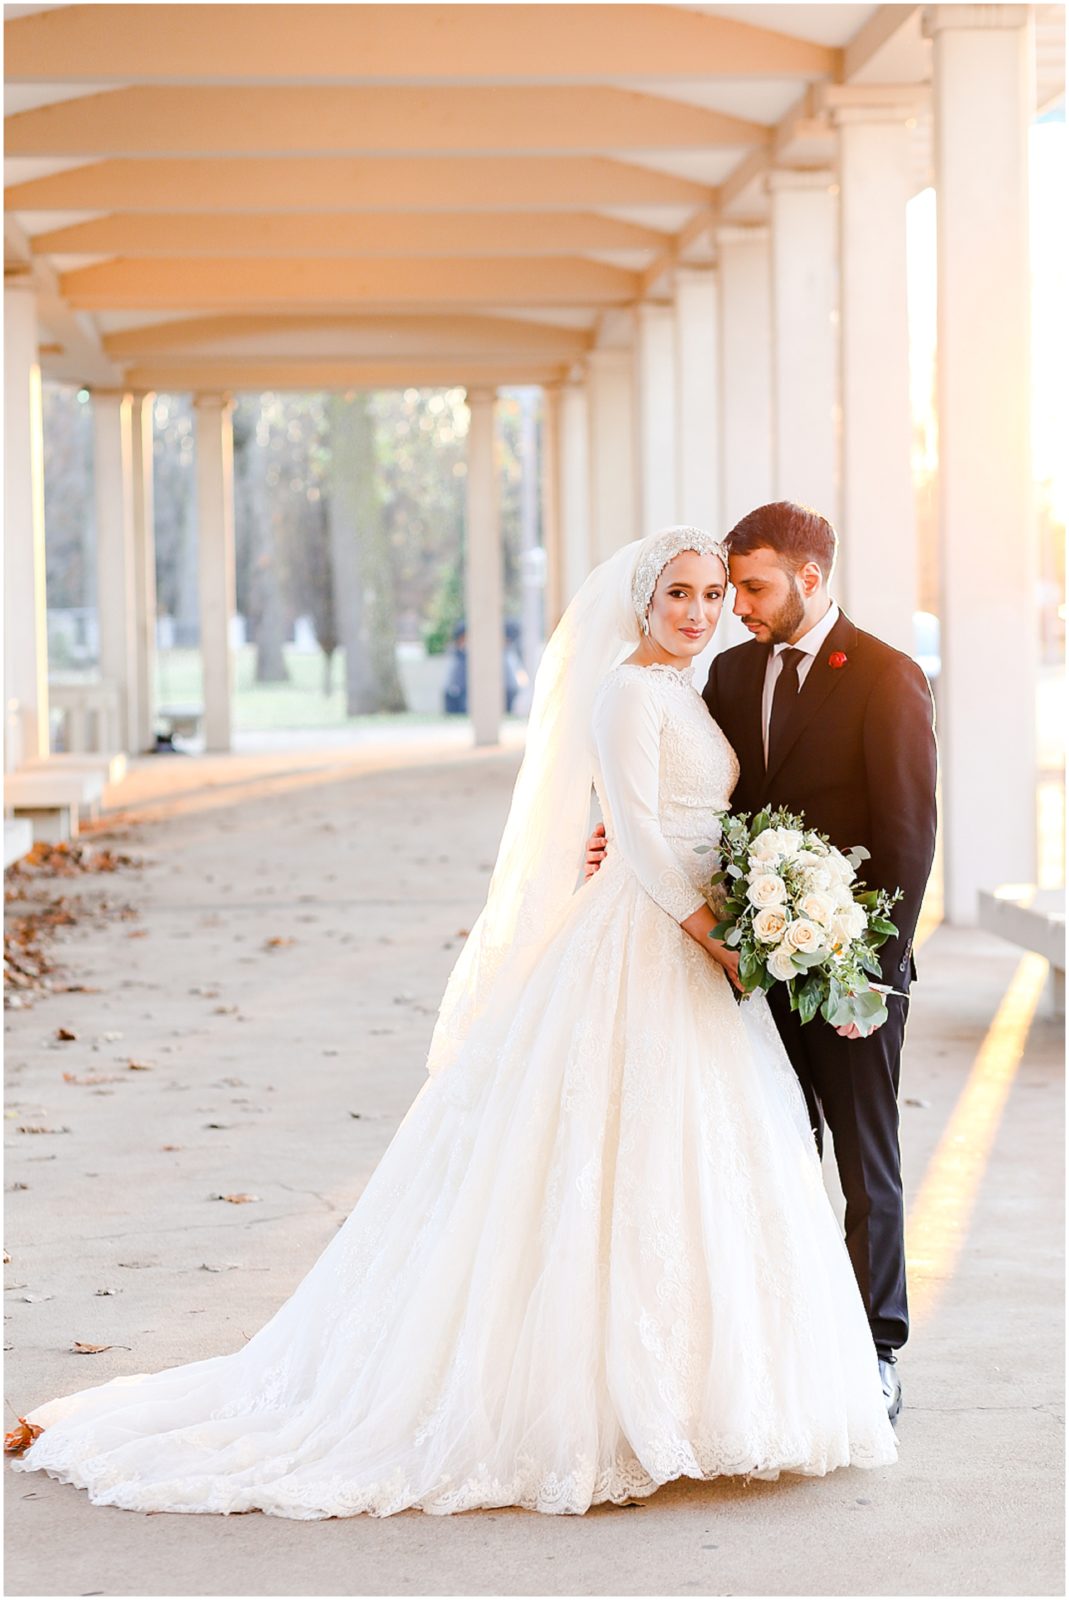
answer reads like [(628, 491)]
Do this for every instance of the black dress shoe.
[(892, 1388)]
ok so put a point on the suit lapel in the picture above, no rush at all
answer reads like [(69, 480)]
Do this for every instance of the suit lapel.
[(821, 681)]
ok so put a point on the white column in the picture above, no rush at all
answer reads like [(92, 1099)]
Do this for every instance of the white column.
[(697, 407), (144, 568), (215, 563), (550, 470), (116, 581), (575, 522), (25, 618), (614, 516), (655, 409), (805, 345), (745, 372), (877, 577), (982, 103), (484, 617)]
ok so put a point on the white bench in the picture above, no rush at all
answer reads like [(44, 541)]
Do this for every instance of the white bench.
[(90, 713), (1034, 919), (111, 766), (18, 839), (52, 800), (185, 721)]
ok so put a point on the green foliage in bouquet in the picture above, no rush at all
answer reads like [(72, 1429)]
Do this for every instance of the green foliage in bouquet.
[(790, 903)]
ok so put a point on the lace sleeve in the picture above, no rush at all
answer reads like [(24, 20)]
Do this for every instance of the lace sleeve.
[(627, 736)]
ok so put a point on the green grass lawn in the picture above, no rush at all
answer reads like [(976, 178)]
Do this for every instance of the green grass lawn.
[(263, 707)]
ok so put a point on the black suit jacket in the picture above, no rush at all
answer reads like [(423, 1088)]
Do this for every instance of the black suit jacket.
[(859, 761)]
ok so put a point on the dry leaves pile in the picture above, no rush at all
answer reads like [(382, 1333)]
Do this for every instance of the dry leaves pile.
[(34, 912)]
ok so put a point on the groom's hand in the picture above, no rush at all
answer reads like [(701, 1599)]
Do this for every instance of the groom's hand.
[(595, 851), (852, 1031)]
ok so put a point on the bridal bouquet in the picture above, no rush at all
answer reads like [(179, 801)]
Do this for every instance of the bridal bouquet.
[(790, 903)]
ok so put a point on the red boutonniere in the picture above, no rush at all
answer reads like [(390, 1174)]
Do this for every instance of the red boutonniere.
[(837, 659)]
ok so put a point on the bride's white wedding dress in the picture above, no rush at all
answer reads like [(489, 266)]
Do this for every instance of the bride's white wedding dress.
[(596, 1256)]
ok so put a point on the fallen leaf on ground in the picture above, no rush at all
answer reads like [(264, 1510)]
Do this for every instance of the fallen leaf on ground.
[(277, 943), (105, 1291), (170, 1147), (236, 1199), (225, 1266), (21, 1437), (138, 933), (80, 1348), (140, 1066), (65, 1033), (38, 1128), (92, 1077)]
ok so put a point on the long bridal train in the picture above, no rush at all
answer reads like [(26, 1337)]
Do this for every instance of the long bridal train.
[(596, 1256)]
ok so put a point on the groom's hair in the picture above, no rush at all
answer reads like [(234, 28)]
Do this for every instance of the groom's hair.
[(796, 533)]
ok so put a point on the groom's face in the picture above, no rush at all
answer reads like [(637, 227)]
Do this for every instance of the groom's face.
[(769, 600)]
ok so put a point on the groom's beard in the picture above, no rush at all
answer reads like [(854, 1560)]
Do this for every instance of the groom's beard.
[(784, 624)]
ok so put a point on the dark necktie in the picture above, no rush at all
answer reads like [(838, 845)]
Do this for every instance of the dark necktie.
[(784, 699)]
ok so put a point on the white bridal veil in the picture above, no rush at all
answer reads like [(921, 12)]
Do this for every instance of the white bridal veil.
[(542, 847)]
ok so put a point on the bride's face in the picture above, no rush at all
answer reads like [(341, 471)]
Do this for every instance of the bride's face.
[(686, 603)]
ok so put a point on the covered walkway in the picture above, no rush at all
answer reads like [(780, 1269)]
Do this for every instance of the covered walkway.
[(687, 224)]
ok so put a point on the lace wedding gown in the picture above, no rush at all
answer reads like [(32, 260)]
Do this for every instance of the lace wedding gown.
[(596, 1256)]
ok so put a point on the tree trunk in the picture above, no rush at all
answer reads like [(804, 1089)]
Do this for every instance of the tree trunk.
[(267, 611), (363, 572)]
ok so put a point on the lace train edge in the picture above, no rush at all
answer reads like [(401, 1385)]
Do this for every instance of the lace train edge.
[(531, 1488)]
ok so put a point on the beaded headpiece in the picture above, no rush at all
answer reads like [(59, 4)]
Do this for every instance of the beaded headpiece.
[(663, 547)]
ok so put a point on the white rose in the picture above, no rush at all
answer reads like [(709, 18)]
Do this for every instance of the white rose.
[(806, 857), (804, 936), (817, 880), (840, 867), (818, 908), (765, 849), (781, 963), (766, 889), (768, 925), (790, 841), (847, 925)]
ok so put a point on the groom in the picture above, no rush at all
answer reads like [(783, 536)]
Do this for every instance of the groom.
[(829, 720)]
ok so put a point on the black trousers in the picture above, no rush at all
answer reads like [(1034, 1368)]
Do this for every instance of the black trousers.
[(852, 1084)]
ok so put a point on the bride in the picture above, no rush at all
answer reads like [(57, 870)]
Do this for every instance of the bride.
[(597, 1254)]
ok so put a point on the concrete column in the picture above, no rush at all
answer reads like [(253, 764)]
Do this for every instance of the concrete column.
[(655, 414), (25, 618), (117, 595), (697, 398), (745, 372), (550, 470), (215, 564), (805, 345), (483, 575), (982, 105), (144, 568), (614, 509), (877, 577), (575, 520)]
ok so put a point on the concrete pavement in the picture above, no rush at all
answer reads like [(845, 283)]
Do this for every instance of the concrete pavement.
[(279, 1069)]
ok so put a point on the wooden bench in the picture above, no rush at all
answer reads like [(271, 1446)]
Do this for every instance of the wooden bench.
[(1034, 919), (53, 799)]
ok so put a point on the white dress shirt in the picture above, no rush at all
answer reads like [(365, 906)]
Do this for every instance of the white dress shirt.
[(810, 643)]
